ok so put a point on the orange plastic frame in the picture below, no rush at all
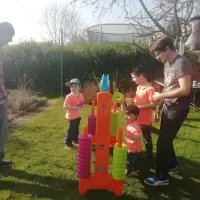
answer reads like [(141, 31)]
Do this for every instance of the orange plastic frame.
[(101, 179)]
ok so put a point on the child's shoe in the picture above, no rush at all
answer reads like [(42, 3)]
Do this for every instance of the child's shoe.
[(154, 181), (128, 174), (5, 163), (174, 170), (75, 143)]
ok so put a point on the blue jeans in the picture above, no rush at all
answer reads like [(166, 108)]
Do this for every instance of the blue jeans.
[(3, 129)]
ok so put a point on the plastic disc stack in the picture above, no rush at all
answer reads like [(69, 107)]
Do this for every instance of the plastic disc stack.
[(84, 155), (119, 159), (117, 97)]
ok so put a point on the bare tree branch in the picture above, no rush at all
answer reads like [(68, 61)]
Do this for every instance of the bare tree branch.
[(177, 22), (60, 16), (150, 16), (171, 17)]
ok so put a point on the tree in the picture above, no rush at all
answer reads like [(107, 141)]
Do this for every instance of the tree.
[(170, 17), (60, 16)]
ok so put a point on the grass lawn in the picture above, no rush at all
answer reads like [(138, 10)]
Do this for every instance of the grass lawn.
[(44, 170)]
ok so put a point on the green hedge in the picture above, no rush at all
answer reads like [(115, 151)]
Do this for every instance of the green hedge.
[(42, 62)]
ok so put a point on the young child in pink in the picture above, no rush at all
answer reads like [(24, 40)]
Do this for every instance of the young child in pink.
[(133, 136), (73, 103)]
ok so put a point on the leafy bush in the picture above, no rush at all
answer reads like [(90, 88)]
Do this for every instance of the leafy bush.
[(41, 62), (20, 99)]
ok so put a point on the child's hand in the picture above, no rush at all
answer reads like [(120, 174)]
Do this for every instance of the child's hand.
[(130, 101), (128, 135), (80, 104)]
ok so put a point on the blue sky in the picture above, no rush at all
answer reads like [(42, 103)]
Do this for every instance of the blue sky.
[(25, 15)]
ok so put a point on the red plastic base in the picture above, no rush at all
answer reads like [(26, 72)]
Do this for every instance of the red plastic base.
[(98, 182)]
